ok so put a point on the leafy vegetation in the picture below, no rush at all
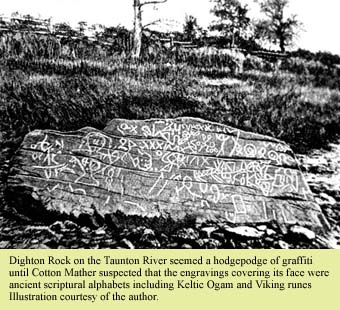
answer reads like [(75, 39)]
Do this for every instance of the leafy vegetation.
[(66, 81), (276, 28), (68, 95), (232, 19), (313, 72)]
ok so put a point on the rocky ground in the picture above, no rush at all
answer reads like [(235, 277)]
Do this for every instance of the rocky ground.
[(322, 170)]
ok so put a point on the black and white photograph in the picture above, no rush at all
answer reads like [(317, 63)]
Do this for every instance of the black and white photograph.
[(169, 124)]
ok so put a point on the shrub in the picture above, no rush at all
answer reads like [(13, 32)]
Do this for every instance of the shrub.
[(257, 63), (313, 71), (268, 103)]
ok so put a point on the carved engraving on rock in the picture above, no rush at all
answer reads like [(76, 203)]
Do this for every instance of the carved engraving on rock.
[(167, 168)]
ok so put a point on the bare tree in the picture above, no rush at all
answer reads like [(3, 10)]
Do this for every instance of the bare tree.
[(138, 24)]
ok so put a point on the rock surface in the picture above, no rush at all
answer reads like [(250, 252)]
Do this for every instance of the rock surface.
[(322, 171), (162, 168)]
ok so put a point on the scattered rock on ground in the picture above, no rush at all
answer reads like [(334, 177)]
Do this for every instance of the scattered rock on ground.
[(245, 231), (187, 234), (302, 232), (283, 245)]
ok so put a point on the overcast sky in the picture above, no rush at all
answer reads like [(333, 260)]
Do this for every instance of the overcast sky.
[(320, 17)]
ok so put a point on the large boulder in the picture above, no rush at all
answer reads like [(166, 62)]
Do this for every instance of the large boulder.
[(170, 168)]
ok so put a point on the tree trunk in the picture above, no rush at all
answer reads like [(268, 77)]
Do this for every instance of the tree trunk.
[(282, 41), (233, 40), (233, 36), (137, 29), (282, 45)]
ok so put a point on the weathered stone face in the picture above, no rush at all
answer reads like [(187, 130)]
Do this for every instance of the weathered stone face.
[(168, 168)]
